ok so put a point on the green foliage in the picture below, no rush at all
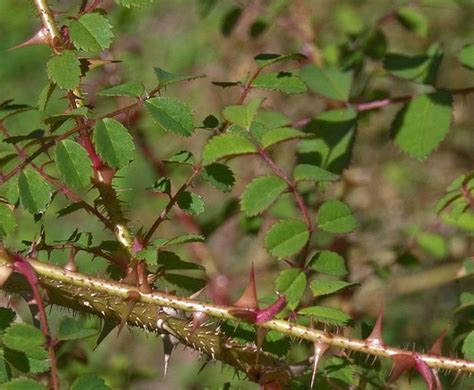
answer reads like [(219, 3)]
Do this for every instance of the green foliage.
[(328, 262), (331, 82), (23, 337), (91, 32), (286, 238), (70, 329), (220, 176), (468, 346), (242, 115), (324, 287), (64, 70), (280, 134), (190, 202), (280, 81), (35, 193), (89, 381), (73, 164), (292, 284), (172, 115), (422, 124), (413, 20), (313, 173), (7, 220), (261, 193), (335, 216), (129, 88), (466, 56), (327, 315), (226, 146), (23, 384)]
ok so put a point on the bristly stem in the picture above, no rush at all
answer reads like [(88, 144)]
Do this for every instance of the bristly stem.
[(47, 19)]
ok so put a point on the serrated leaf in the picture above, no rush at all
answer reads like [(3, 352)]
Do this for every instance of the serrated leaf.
[(292, 284), (73, 164), (182, 239), (267, 59), (321, 287), (35, 193), (182, 157), (422, 68), (23, 384), (171, 261), (45, 95), (468, 346), (70, 329), (134, 3), (220, 176), (163, 184), (89, 382), (280, 134), (225, 146), (33, 135), (335, 216), (260, 194), (7, 221), (334, 135), (35, 361), (422, 124), (57, 120), (23, 338), (413, 20), (279, 81), (167, 78), (286, 238), (329, 262), (65, 70), (185, 282), (171, 115), (148, 254), (242, 115), (91, 32), (113, 142), (190, 203), (313, 173), (130, 88), (466, 56), (327, 315), (331, 82)]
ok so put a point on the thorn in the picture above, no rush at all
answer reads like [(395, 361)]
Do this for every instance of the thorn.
[(436, 348), (401, 363), (108, 326), (425, 372), (271, 311), (199, 318), (248, 299), (375, 337), (40, 38), (319, 350), (168, 346)]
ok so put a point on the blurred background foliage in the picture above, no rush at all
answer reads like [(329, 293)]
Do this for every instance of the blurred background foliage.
[(402, 253)]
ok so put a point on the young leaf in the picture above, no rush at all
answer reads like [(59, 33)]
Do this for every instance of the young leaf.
[(89, 381), (327, 315), (242, 115), (292, 284), (260, 194), (190, 202), (23, 384), (313, 173), (280, 134), (171, 115), (113, 142), (7, 220), (130, 88), (331, 82), (423, 123), (35, 193), (91, 32), (328, 262), (335, 216), (65, 70), (70, 329), (286, 238), (280, 81), (266, 59), (166, 78), (226, 145), (23, 338), (324, 287), (220, 176), (466, 56), (413, 20), (73, 164)]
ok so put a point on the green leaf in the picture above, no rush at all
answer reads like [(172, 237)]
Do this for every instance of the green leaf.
[(163, 184), (23, 384), (242, 115), (466, 56), (292, 284), (423, 123), (334, 135), (182, 157), (335, 216), (134, 3), (45, 95), (33, 135), (5, 371), (328, 262), (422, 68), (331, 82), (185, 282), (434, 244), (73, 164), (130, 88), (327, 315), (7, 316), (7, 220), (313, 173), (166, 78), (325, 287), (91, 32), (23, 338), (113, 142), (89, 382), (446, 200), (413, 20), (148, 254), (171, 261), (274, 136), (260, 194), (468, 346), (70, 329), (190, 202), (225, 146), (286, 238), (280, 81), (267, 59), (35, 361), (65, 70), (182, 239), (220, 176), (171, 115), (35, 193)]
